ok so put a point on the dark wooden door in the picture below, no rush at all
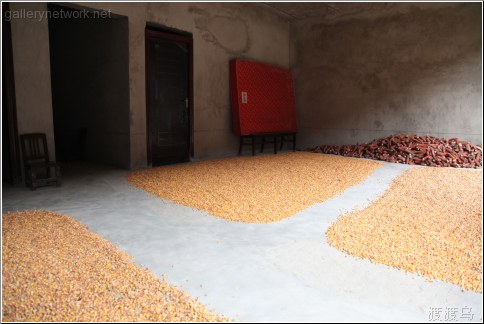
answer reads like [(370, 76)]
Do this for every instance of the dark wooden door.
[(168, 97)]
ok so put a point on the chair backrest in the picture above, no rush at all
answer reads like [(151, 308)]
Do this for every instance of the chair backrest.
[(34, 148)]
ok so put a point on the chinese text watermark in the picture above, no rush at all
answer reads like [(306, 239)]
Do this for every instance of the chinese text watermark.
[(451, 314)]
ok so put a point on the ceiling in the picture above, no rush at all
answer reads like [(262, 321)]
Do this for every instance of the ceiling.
[(331, 11)]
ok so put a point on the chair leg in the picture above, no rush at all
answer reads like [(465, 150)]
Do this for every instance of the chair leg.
[(33, 180), (294, 142), (58, 176), (282, 142), (27, 175), (263, 143), (275, 144)]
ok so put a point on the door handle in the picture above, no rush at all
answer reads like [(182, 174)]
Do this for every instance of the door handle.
[(185, 111), (186, 102)]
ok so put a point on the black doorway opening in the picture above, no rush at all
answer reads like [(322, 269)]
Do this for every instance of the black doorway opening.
[(89, 59), (169, 97)]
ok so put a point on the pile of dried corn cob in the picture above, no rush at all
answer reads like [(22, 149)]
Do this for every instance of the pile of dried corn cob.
[(413, 149)]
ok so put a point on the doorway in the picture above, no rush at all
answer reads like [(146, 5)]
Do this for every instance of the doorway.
[(90, 88), (169, 97)]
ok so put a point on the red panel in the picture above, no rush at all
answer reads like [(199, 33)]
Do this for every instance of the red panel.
[(270, 105)]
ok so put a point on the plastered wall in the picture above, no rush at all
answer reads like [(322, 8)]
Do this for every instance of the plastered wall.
[(31, 63), (417, 71), (357, 78), (221, 31)]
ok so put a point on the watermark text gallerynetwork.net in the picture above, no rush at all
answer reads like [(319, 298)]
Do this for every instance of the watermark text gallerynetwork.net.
[(40, 15)]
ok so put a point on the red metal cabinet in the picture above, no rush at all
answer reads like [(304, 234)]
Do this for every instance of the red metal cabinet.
[(262, 98)]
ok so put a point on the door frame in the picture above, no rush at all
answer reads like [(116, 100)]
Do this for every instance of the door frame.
[(151, 33), (8, 78)]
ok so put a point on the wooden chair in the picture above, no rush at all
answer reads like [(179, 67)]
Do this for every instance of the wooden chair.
[(38, 168)]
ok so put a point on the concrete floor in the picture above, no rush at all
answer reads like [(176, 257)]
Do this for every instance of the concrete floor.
[(275, 272)]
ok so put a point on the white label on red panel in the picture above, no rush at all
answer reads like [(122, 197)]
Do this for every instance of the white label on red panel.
[(244, 97)]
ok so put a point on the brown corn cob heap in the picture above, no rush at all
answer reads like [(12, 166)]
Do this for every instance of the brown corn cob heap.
[(413, 149)]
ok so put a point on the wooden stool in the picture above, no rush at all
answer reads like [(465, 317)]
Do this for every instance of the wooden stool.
[(258, 137), (292, 138), (273, 141)]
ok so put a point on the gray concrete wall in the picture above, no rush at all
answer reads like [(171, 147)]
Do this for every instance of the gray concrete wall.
[(414, 71), (356, 78), (31, 63), (221, 31), (90, 87)]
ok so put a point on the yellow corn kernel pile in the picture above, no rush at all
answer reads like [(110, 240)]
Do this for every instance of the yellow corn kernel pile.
[(260, 189), (428, 222), (54, 269)]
